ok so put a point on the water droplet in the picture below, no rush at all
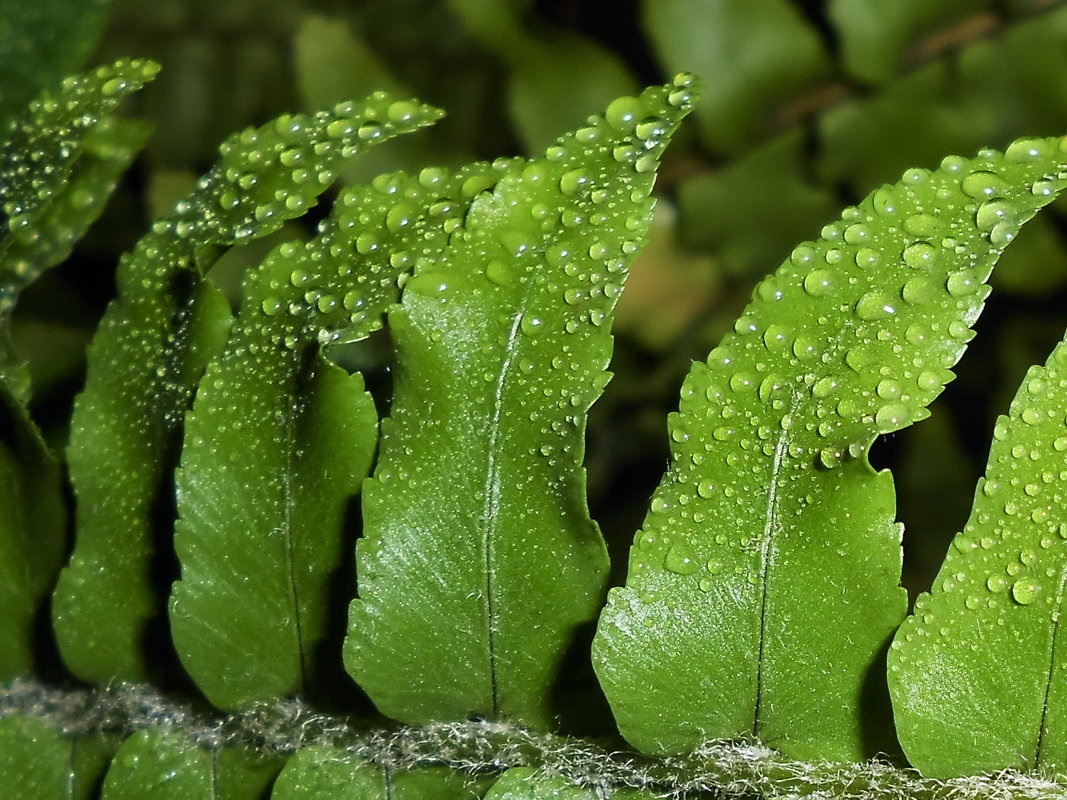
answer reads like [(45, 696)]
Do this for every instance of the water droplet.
[(573, 181), (983, 185), (818, 282), (924, 225), (884, 201), (1024, 592), (892, 416), (963, 283), (680, 560), (875, 305), (918, 290), (920, 254), (989, 214), (623, 113)]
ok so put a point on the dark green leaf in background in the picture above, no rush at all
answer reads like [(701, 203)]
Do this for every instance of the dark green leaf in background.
[(977, 673), (40, 43), (763, 585), (875, 35), (479, 559), (754, 55)]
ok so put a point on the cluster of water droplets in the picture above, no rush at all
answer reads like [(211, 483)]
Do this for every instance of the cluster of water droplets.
[(853, 336), (273, 173), (41, 148), (1012, 554), (550, 249), (337, 286)]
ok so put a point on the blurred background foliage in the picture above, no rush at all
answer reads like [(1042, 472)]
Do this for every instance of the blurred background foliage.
[(808, 106)]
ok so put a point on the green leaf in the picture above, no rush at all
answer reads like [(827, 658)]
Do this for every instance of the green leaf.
[(158, 765), (305, 432), (325, 772), (722, 211), (755, 55), (33, 534), (554, 77), (57, 169), (875, 36), (479, 559), (42, 42), (39, 763), (524, 783), (151, 349), (990, 627), (763, 585)]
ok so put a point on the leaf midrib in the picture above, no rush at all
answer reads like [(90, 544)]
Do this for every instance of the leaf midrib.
[(491, 496), (1057, 606), (287, 511), (770, 517)]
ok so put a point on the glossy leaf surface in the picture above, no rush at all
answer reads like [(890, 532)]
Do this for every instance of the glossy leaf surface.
[(763, 585), (159, 765), (38, 763), (523, 783), (323, 772), (305, 431), (479, 558), (977, 673), (151, 349)]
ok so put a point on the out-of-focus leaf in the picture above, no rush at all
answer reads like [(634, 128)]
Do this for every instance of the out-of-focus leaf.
[(668, 287), (763, 585), (867, 141), (754, 55), (554, 78), (42, 42), (725, 211), (977, 673), (875, 35), (479, 559)]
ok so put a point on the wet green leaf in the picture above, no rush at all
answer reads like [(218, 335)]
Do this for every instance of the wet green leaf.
[(763, 585), (323, 772), (279, 438), (57, 169), (976, 674), (158, 765), (38, 763), (151, 349), (523, 783), (479, 559)]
